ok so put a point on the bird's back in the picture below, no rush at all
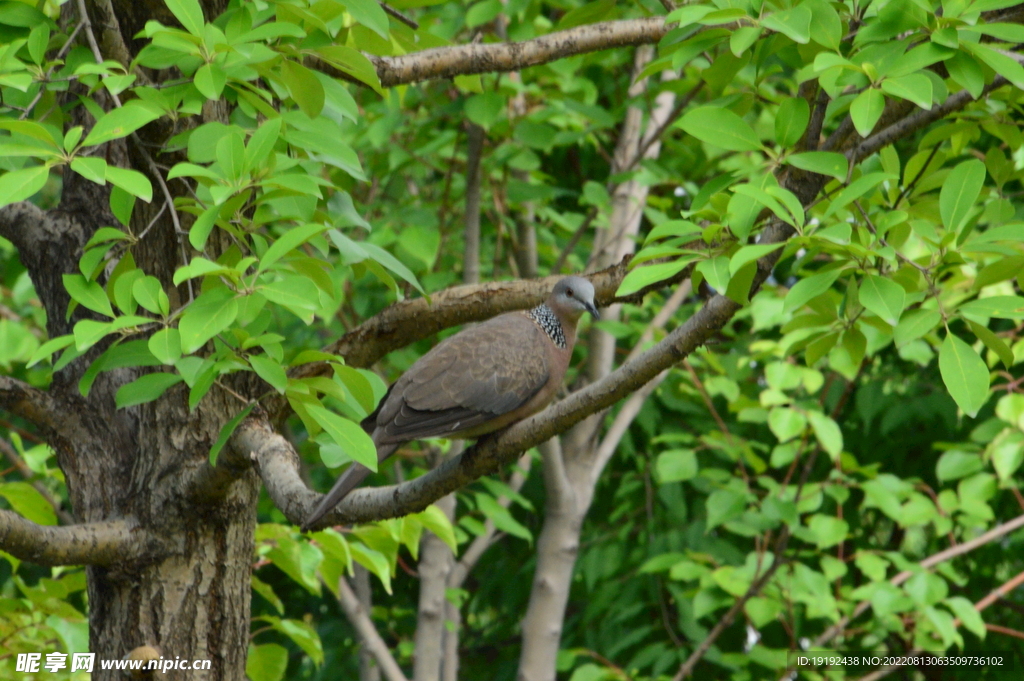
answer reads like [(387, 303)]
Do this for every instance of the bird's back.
[(466, 382)]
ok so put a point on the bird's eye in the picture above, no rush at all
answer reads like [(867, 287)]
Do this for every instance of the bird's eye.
[(568, 292)]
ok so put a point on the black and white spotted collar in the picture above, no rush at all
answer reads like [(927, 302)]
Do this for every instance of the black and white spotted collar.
[(546, 320)]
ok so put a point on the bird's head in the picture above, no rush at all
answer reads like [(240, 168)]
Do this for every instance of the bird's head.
[(572, 297)]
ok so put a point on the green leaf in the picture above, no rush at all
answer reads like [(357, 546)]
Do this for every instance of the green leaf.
[(304, 636), (486, 108), (26, 500), (866, 109), (857, 189), (762, 197), (18, 185), (786, 423), (392, 263), (966, 72), (884, 297), (210, 80), (749, 254), (482, 12), (915, 324), (822, 162), (688, 14), (304, 86), (202, 227), (716, 272), (165, 345), (289, 241), (373, 561), (347, 435), (724, 505), (91, 168), (225, 433), (210, 314), (676, 465), (88, 293), (266, 662), (828, 433), (956, 464), (828, 530), (1007, 67), (145, 389), (122, 122), (261, 144), (794, 23), (296, 293), (270, 371), (959, 192), (587, 13), (968, 614), (501, 517), (671, 228), (189, 13), (826, 26), (132, 181), (1007, 453), (742, 38), (369, 14), (148, 293), (964, 373), (353, 63), (49, 347), (1002, 307), (809, 288), (645, 275), (720, 127), (916, 88), (434, 519), (993, 343)]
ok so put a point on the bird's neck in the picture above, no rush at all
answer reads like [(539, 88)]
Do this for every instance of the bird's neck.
[(544, 317)]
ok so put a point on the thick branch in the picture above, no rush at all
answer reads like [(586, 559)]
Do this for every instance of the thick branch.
[(104, 543), (463, 60), (32, 404), (411, 320)]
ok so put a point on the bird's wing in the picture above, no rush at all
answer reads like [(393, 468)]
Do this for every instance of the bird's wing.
[(471, 378)]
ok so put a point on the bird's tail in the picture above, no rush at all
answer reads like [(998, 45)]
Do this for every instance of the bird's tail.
[(349, 480)]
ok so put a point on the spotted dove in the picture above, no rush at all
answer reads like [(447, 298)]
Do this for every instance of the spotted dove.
[(480, 380)]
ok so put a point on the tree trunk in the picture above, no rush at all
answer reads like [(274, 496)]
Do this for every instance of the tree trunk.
[(187, 590)]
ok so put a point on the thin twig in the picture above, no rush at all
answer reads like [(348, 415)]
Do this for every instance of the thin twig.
[(46, 79), (910, 187), (388, 9), (27, 473)]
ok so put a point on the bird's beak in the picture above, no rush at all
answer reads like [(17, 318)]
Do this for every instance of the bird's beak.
[(592, 309)]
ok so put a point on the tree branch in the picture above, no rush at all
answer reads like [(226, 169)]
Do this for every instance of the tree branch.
[(103, 543), (996, 594), (918, 120), (408, 321), (492, 452), (463, 60), (940, 557), (32, 404), (360, 620)]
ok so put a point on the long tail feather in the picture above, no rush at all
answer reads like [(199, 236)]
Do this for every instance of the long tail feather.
[(348, 481)]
